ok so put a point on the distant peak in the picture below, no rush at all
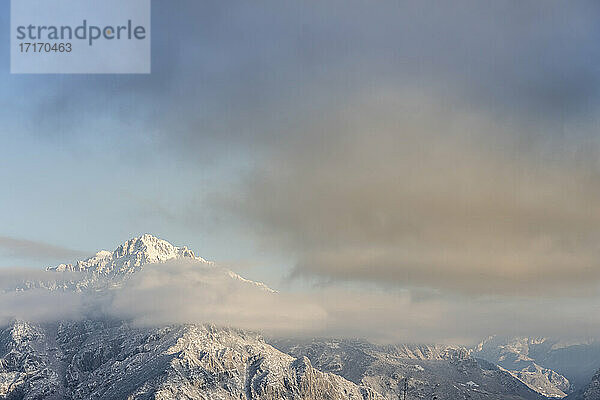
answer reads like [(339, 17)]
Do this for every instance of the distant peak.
[(131, 256), (152, 247)]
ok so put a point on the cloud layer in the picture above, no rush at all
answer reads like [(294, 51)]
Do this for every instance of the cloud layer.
[(181, 292), (405, 189), (168, 293), (176, 293)]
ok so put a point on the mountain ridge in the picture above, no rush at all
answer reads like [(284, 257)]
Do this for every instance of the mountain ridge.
[(558, 367), (111, 360)]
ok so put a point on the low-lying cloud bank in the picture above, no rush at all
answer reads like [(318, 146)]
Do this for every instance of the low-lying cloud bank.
[(175, 293), (179, 292), (169, 293)]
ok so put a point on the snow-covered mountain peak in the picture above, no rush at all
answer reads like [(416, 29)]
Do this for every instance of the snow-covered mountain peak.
[(130, 256), (149, 249)]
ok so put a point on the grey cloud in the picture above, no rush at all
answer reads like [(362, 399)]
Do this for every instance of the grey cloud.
[(393, 317), (36, 250), (231, 78), (403, 189)]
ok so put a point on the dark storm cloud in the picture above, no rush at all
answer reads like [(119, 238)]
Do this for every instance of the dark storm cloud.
[(233, 77)]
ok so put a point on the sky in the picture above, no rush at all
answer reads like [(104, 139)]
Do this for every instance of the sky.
[(438, 160)]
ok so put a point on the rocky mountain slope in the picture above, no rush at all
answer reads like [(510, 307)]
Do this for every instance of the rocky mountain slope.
[(555, 367), (590, 392), (440, 372), (114, 360)]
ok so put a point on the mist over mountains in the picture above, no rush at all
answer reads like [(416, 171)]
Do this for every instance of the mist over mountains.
[(152, 320)]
